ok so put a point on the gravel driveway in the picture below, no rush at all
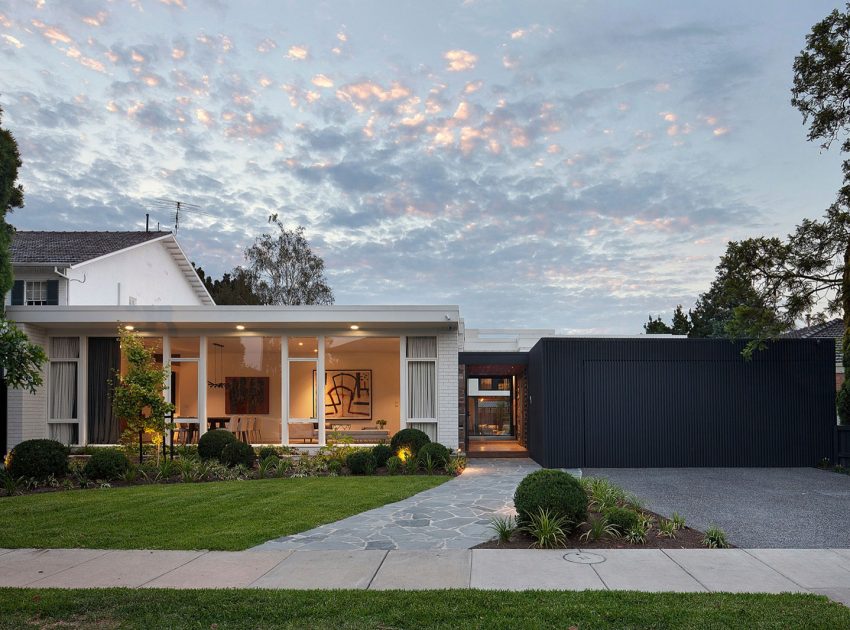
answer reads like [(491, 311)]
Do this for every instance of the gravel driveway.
[(756, 507)]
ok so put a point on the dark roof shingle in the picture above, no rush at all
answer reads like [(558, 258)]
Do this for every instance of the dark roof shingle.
[(71, 248), (832, 329)]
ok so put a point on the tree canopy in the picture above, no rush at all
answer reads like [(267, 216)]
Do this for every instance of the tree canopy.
[(234, 287), (11, 197), (284, 270)]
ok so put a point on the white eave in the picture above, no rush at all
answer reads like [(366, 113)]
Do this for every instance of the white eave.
[(255, 319)]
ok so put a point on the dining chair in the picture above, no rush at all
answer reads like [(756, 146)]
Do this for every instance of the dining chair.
[(254, 430)]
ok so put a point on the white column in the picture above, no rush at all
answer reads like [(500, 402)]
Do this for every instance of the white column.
[(202, 387), (284, 390), (402, 384), (320, 389)]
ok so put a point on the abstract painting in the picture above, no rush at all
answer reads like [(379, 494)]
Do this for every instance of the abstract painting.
[(348, 394)]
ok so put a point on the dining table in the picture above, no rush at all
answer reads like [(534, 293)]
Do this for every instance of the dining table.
[(217, 422)]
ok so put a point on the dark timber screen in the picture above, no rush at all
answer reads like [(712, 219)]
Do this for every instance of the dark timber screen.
[(647, 402)]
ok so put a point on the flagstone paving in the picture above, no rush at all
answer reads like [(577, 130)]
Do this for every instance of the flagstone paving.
[(454, 515)]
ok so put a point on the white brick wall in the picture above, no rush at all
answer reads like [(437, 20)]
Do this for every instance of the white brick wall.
[(28, 412), (447, 359)]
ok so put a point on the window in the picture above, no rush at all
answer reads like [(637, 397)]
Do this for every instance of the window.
[(63, 419), (421, 378), (35, 293)]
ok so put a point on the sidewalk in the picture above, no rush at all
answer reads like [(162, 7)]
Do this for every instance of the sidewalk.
[(824, 571)]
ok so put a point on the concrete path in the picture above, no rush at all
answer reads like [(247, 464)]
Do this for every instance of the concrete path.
[(757, 507), (454, 515), (824, 571)]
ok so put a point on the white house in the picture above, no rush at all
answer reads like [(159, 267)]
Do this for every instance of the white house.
[(102, 268)]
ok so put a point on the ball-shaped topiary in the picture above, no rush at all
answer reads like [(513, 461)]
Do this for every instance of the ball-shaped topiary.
[(438, 453), (623, 519), (38, 459), (237, 453), (361, 462), (554, 490), (382, 453), (268, 451), (107, 464), (414, 439), (212, 443)]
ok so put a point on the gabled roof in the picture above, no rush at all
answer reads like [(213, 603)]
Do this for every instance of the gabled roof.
[(832, 329), (72, 248)]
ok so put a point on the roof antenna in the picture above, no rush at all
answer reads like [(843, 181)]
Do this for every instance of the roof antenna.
[(147, 222), (177, 206)]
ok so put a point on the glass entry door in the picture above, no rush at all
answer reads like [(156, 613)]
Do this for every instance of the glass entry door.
[(490, 407)]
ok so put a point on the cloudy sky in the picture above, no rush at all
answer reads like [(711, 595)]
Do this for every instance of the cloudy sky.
[(565, 164)]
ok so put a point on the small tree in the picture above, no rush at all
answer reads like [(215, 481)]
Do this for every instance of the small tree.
[(138, 397), (21, 360)]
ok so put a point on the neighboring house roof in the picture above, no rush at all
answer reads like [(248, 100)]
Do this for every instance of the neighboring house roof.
[(72, 249), (832, 329)]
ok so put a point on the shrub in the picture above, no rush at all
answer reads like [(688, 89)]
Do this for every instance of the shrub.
[(547, 529), (335, 466), (212, 443), (438, 453), (556, 491), (622, 519), (382, 453), (238, 453), (503, 526), (361, 462), (715, 538), (266, 452), (414, 439), (38, 459), (108, 464), (394, 465)]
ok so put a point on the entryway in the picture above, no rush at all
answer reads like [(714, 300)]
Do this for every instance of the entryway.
[(495, 408)]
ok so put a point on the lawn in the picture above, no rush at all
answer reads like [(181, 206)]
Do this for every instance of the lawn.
[(120, 608), (224, 515)]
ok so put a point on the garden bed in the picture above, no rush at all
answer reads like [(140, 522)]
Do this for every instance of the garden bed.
[(685, 538)]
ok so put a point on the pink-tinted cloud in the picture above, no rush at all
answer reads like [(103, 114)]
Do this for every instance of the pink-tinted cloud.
[(460, 60)]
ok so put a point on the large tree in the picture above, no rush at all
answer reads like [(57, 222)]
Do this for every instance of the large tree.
[(681, 324), (20, 361), (284, 270), (11, 196), (234, 287)]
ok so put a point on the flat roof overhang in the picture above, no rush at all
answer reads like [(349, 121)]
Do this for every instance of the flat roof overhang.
[(493, 358), (203, 319)]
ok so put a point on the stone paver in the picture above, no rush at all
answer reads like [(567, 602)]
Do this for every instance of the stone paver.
[(417, 570), (324, 569), (520, 570), (22, 567), (454, 515), (118, 568), (731, 570), (221, 569), (644, 570), (784, 508)]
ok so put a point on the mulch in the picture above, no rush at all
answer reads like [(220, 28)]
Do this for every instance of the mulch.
[(686, 538)]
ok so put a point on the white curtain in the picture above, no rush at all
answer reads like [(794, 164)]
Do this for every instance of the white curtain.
[(428, 428), (421, 347), (65, 348), (421, 389), (63, 390), (65, 433)]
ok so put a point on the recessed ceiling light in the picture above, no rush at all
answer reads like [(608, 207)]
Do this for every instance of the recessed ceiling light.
[(240, 327), (315, 350), (355, 327), (300, 343), (129, 327)]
